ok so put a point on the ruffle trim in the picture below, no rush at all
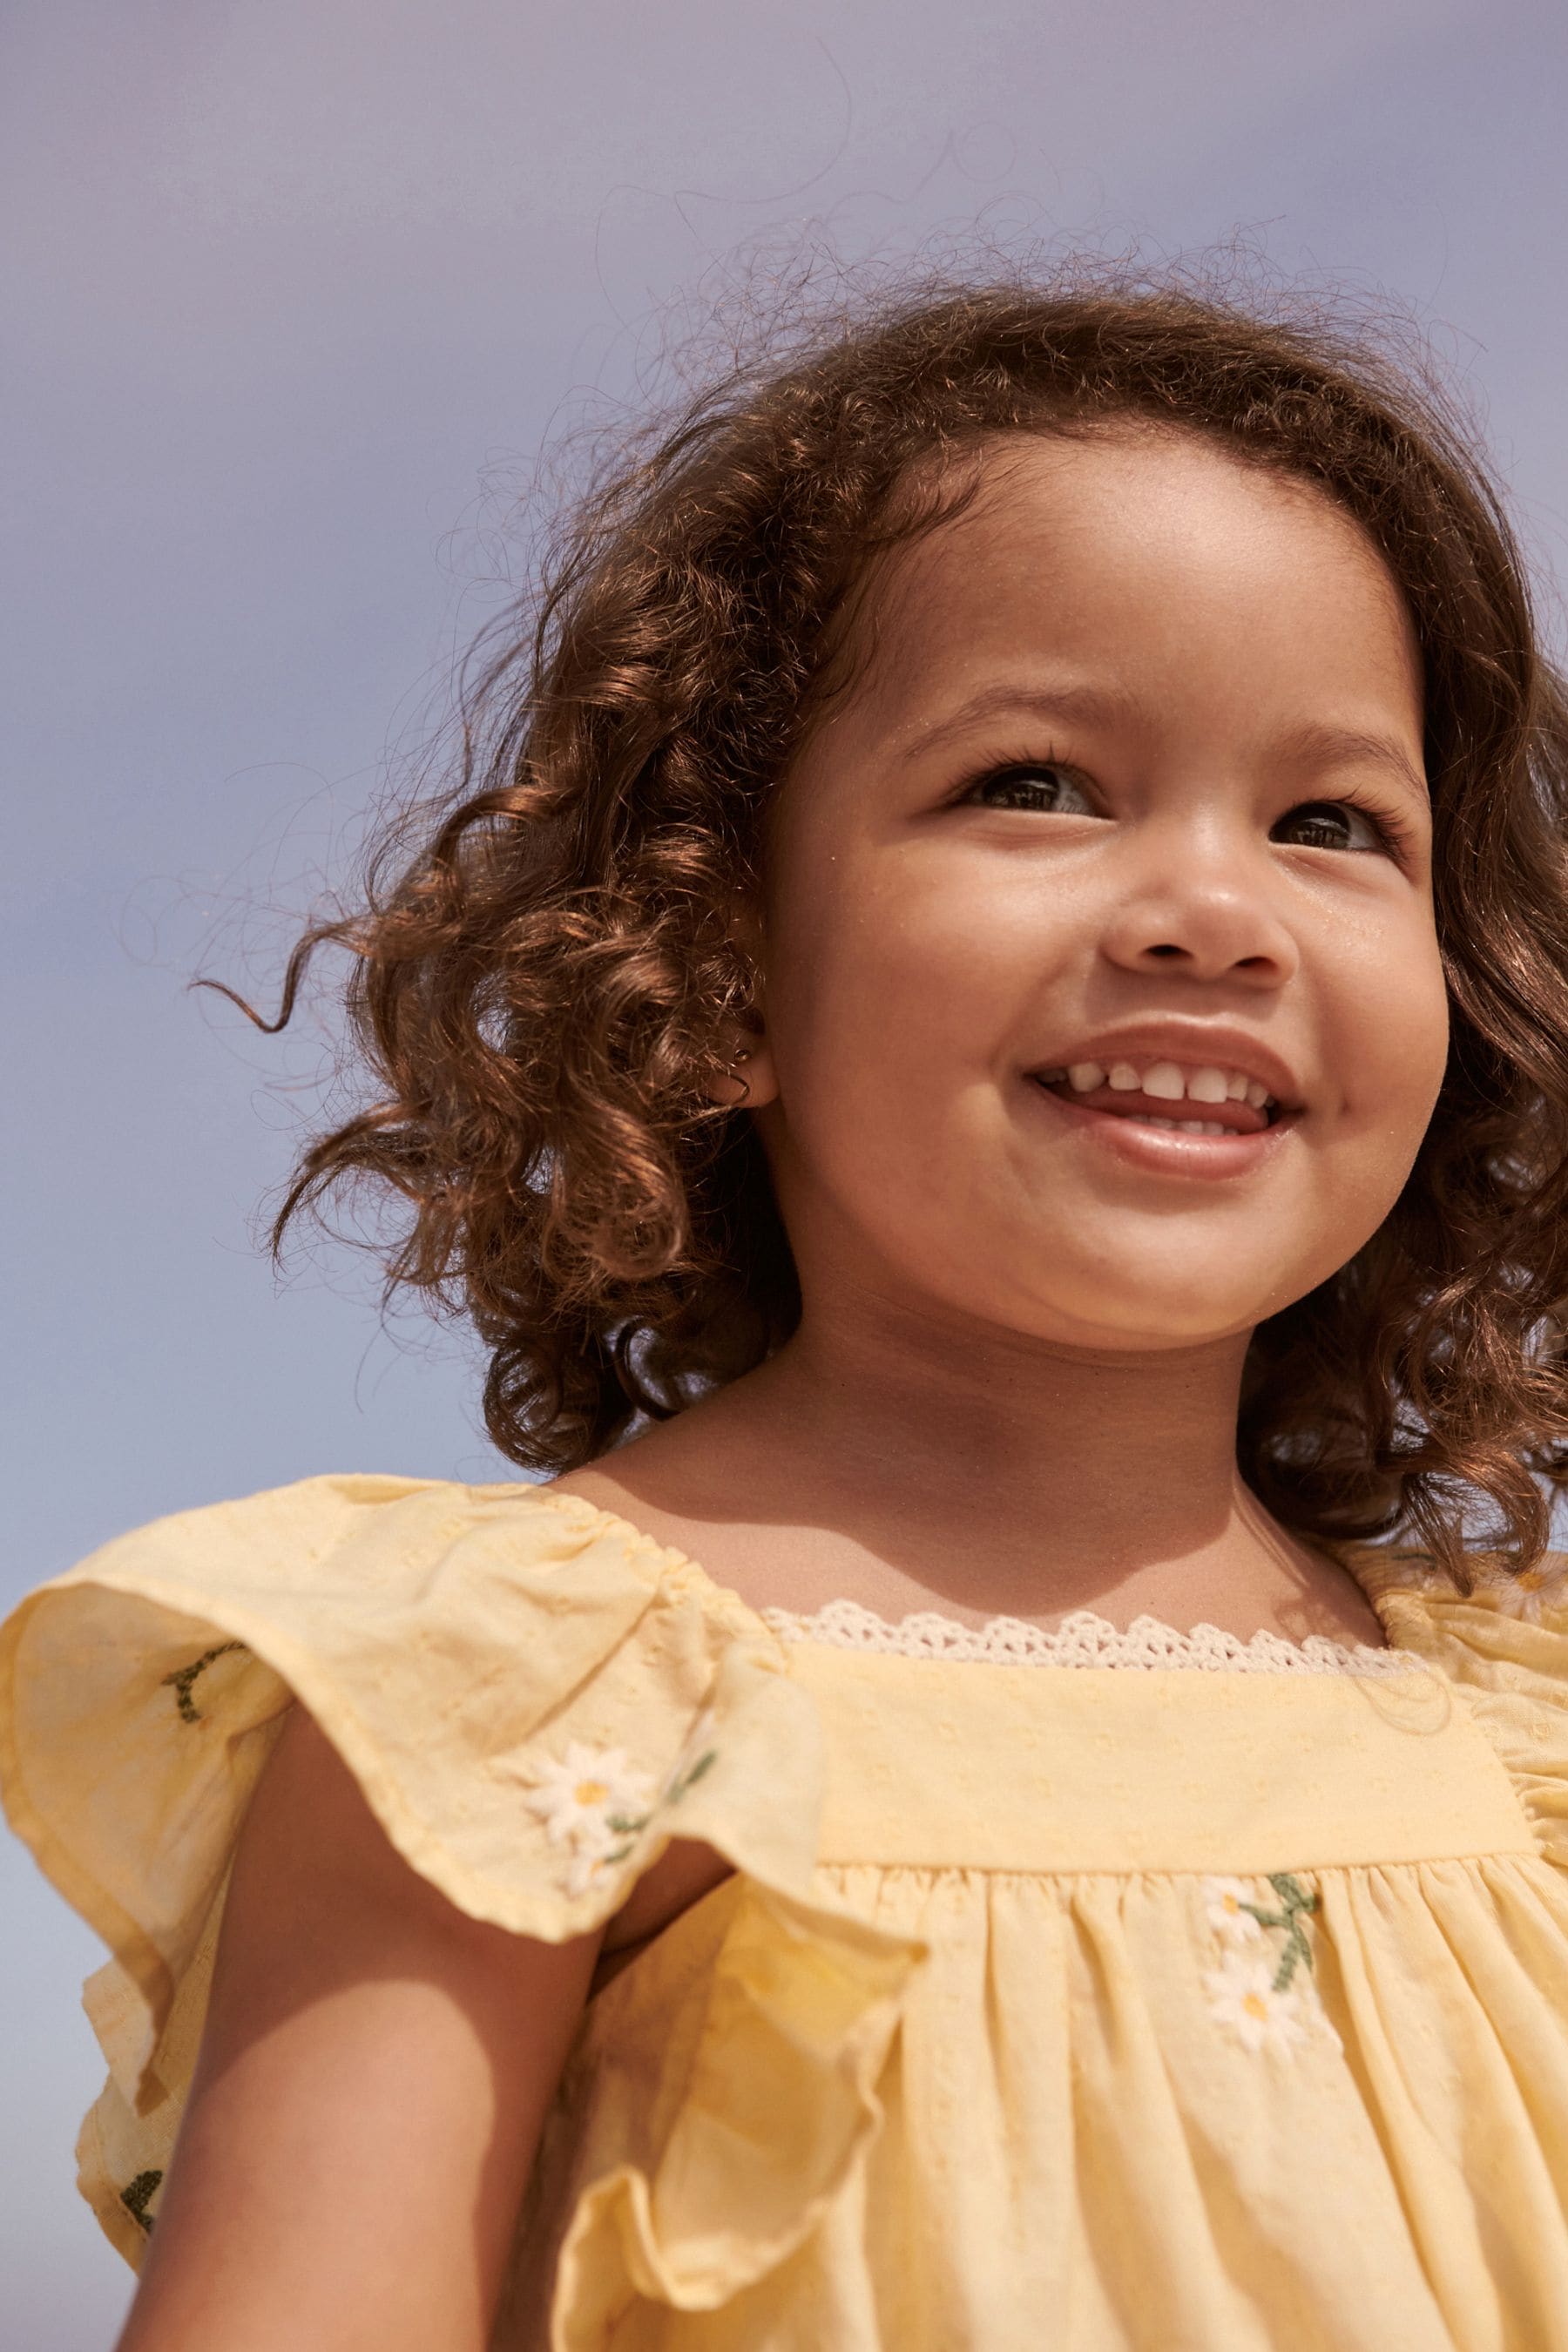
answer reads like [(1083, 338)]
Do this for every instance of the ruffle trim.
[(533, 1703), (1081, 1640), (782, 2028)]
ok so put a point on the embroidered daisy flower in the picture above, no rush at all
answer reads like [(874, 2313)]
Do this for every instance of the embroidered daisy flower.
[(1225, 1901), (1242, 1995), (590, 1801), (1531, 1595)]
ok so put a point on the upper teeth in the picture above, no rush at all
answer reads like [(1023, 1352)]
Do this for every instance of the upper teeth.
[(1168, 1082)]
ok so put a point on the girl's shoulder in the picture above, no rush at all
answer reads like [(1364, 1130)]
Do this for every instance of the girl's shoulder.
[(534, 1698), (327, 1544), (479, 1656), (1504, 1644), (1413, 1594)]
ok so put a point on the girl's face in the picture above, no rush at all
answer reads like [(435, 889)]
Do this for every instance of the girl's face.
[(1122, 823)]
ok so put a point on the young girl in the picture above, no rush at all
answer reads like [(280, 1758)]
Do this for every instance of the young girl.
[(985, 1043)]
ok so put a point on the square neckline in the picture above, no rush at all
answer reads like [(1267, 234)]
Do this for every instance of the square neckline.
[(1149, 1643)]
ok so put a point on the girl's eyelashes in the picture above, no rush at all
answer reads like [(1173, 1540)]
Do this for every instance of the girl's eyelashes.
[(1054, 788), (1343, 824), (1048, 784)]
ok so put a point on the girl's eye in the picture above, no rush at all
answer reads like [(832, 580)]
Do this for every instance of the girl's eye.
[(1059, 791), (1332, 824)]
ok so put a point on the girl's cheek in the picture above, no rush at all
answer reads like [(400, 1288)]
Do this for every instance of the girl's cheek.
[(1396, 1038)]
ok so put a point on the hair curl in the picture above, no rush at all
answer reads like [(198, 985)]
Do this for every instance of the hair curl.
[(543, 977)]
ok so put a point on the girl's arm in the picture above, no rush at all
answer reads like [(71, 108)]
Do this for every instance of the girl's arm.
[(373, 2075)]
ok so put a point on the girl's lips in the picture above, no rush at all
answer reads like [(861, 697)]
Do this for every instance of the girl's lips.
[(1165, 1150)]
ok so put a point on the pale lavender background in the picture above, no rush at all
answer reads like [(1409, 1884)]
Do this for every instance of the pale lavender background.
[(285, 282)]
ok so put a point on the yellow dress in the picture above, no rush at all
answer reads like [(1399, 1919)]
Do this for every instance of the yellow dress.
[(1087, 1992)]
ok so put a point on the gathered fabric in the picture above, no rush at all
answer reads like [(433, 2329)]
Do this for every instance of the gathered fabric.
[(1142, 1992)]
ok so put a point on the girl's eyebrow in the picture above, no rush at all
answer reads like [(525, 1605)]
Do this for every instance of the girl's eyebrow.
[(1317, 745), (1083, 706), (1313, 744)]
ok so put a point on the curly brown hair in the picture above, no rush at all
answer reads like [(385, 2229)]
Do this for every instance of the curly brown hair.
[(544, 974)]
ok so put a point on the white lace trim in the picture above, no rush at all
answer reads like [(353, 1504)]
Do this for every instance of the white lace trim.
[(1081, 1640)]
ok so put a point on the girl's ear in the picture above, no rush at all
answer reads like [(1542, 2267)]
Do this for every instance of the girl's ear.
[(749, 1078)]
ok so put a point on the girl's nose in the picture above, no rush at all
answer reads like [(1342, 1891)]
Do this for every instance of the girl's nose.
[(1208, 913)]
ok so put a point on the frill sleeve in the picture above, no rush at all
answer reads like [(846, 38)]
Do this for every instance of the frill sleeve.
[(533, 1697), (1505, 1644)]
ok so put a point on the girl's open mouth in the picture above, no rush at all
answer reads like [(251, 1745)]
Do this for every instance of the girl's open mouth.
[(1200, 1100), (1199, 1121)]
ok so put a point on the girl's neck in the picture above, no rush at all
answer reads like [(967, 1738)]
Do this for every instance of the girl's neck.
[(980, 1442), (992, 1478)]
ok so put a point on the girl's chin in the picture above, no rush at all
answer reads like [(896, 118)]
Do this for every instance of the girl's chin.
[(1134, 1296), (1140, 1334), (1134, 1284)]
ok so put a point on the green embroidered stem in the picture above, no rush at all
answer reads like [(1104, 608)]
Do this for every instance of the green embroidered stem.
[(136, 2199), (630, 1826), (1294, 1901), (183, 1680), (690, 1778)]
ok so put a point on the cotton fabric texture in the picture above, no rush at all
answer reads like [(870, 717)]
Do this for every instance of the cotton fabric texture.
[(1218, 2002)]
